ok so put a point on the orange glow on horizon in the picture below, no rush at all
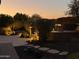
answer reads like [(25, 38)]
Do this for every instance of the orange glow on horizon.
[(30, 11)]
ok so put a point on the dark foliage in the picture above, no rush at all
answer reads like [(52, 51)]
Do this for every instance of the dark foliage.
[(5, 20), (21, 17), (44, 27), (74, 8)]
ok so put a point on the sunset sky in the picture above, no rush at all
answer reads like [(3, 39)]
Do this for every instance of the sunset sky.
[(45, 8)]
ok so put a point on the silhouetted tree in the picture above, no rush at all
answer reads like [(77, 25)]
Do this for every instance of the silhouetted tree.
[(44, 26), (21, 17), (36, 16), (34, 19), (69, 23), (21, 20), (5, 20), (74, 8), (68, 20)]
